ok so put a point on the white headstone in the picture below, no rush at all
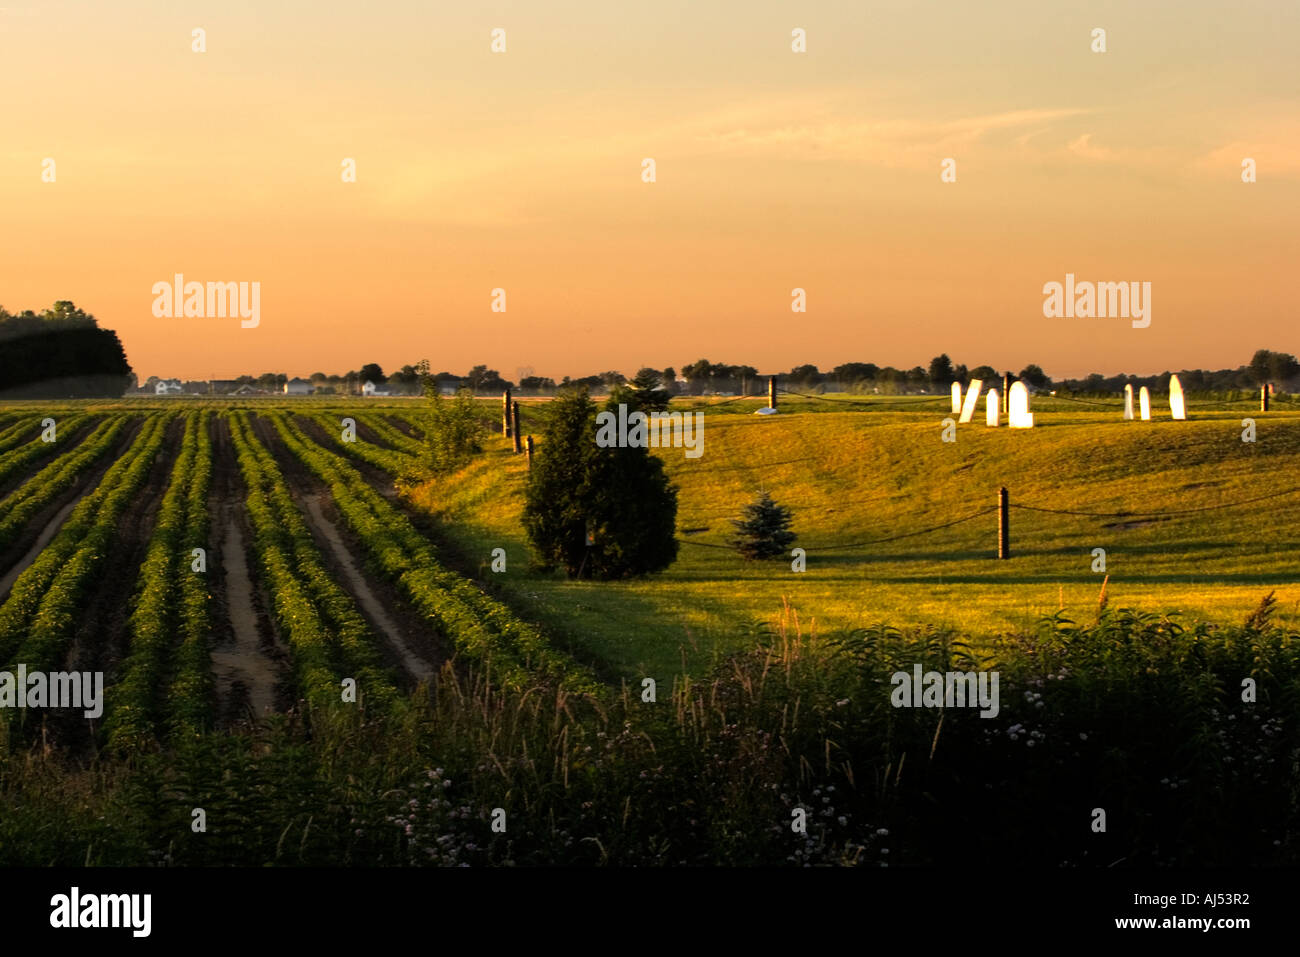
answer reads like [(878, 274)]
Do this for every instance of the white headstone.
[(1176, 404), (1128, 402), (972, 397), (1018, 414), (1144, 404), (956, 397), (992, 409)]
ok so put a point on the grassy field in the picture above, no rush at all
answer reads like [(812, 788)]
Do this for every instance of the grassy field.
[(859, 473)]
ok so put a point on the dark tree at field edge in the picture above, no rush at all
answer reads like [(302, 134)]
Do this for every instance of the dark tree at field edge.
[(58, 354), (601, 513)]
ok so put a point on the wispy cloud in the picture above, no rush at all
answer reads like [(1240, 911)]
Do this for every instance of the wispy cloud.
[(1083, 147), (885, 141), (1275, 153)]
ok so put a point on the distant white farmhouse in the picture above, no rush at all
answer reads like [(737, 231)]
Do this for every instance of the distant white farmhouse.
[(297, 386), (369, 388), (168, 387)]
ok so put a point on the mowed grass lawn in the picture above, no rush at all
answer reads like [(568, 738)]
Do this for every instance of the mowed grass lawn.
[(881, 470)]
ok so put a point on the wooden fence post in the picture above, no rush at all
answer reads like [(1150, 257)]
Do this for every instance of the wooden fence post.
[(771, 392), (1263, 397), (1004, 525), (515, 424), (505, 413), (529, 449)]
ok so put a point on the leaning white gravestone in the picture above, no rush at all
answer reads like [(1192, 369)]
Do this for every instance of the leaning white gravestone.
[(1128, 402), (972, 397), (991, 409), (1177, 407), (1144, 402), (1018, 414), (956, 397)]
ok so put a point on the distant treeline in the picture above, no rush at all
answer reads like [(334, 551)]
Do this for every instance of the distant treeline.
[(59, 353), (719, 378), (1280, 368), (705, 378)]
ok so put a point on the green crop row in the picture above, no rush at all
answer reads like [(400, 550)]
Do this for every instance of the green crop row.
[(479, 627), (16, 431), (162, 607), (416, 419), (18, 459), (39, 619), (393, 462), (416, 424), (24, 420), (20, 506), (394, 436), (188, 698), (328, 637)]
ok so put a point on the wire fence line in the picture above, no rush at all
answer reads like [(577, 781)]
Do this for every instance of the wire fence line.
[(1138, 514), (734, 398), (1069, 398), (749, 466), (875, 404), (838, 504), (1160, 513)]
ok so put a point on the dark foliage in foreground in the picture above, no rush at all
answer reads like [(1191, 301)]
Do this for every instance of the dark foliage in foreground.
[(1133, 714)]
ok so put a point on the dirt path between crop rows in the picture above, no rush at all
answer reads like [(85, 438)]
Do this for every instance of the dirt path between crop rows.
[(407, 639), (44, 538), (417, 667), (246, 674), (249, 665)]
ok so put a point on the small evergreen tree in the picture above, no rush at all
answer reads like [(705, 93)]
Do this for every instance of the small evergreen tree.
[(764, 531), (646, 392)]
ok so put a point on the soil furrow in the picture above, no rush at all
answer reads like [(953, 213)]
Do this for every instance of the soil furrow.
[(408, 641), (250, 665)]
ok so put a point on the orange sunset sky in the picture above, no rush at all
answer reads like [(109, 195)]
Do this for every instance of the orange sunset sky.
[(775, 170)]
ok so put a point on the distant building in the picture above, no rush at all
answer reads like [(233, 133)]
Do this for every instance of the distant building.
[(246, 389), (222, 386), (297, 386), (369, 388), (168, 387)]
